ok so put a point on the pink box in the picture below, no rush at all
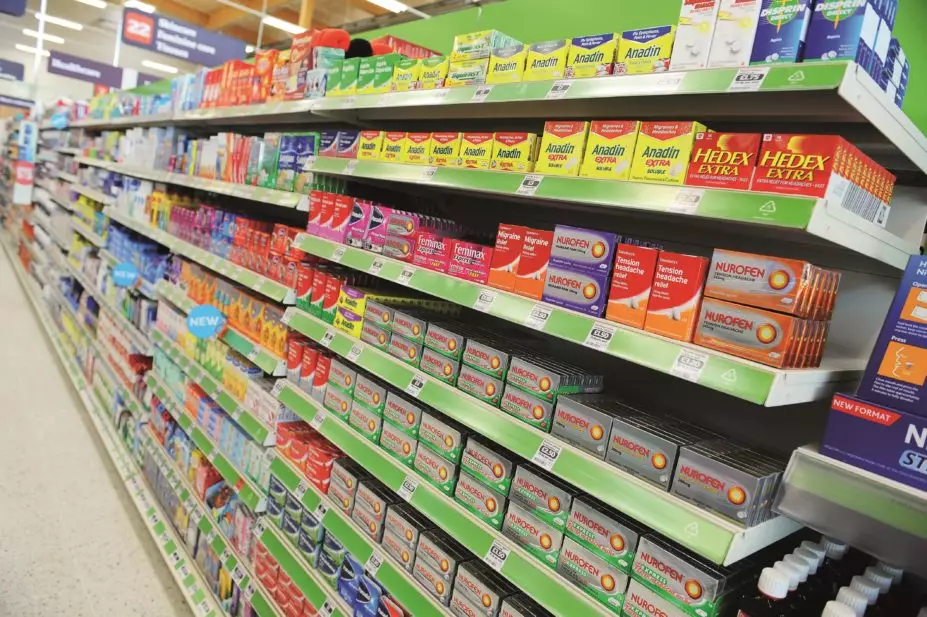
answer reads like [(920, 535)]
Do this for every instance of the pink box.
[(376, 233), (398, 248), (325, 215), (359, 223), (315, 212), (341, 214), (432, 252), (470, 261)]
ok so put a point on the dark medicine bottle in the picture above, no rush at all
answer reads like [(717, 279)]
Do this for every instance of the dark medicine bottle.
[(770, 599)]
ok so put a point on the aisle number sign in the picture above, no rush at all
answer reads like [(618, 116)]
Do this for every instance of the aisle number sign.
[(206, 321)]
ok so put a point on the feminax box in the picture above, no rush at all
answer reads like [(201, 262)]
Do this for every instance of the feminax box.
[(884, 441)]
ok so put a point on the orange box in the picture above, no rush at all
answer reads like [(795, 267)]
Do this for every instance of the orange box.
[(723, 160), (755, 334), (631, 284), (532, 265), (506, 255), (676, 295)]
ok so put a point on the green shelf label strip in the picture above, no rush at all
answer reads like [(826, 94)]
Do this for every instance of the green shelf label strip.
[(390, 574), (698, 530), (524, 571), (733, 376)]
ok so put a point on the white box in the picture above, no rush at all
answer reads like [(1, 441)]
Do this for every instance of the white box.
[(693, 34), (735, 30)]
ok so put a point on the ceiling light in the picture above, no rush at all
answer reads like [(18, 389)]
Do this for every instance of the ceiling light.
[(249, 49), (32, 50), (282, 25), (391, 5), (164, 68), (51, 38), (64, 23), (99, 4), (141, 6)]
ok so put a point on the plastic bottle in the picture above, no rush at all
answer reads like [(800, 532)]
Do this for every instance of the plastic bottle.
[(800, 597), (836, 609), (896, 573), (817, 591), (882, 579), (853, 599), (837, 570), (794, 576), (770, 599), (867, 588)]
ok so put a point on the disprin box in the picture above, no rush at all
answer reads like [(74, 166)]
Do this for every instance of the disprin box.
[(562, 148), (663, 150), (723, 160), (780, 32), (609, 149)]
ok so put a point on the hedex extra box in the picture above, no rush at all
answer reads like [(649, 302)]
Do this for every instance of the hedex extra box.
[(604, 531), (532, 265), (676, 295), (539, 538), (723, 160), (595, 576), (632, 281)]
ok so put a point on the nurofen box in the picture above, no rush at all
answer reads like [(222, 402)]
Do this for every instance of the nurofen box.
[(477, 45), (529, 408), (406, 74), (586, 250), (410, 324), (466, 73), (780, 32), (398, 550), (532, 265), (514, 152), (676, 295), (342, 497), (439, 366), (723, 160), (483, 586), (507, 64), (542, 495), (429, 578), (375, 497), (591, 56), (463, 606), (584, 420), (485, 503), (694, 32), (475, 150), (506, 256), (438, 550), (595, 576), (646, 50), (746, 332), (375, 335), (403, 414), (534, 535), (434, 72), (445, 149), (610, 149), (735, 30), (632, 280), (578, 290), (407, 524), (366, 422), (380, 314), (547, 379), (444, 337), (436, 469), (416, 149), (367, 521), (489, 464), (342, 376), (393, 144), (338, 403), (480, 385), (408, 351), (562, 147), (641, 601), (347, 473), (605, 532), (398, 443), (443, 435), (547, 61), (520, 605), (369, 145), (663, 150)]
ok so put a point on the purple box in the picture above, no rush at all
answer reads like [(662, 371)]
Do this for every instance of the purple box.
[(376, 233), (584, 250), (358, 224), (347, 144), (780, 31), (585, 292), (328, 143), (887, 442)]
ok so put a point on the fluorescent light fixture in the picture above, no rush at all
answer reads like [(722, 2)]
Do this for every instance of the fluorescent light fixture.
[(98, 4), (398, 7), (249, 49), (141, 6), (282, 25), (32, 50), (64, 23), (51, 38), (157, 66)]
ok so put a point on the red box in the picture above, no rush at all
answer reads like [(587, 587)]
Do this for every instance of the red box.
[(317, 296), (470, 261), (332, 291), (432, 252), (631, 284), (308, 365), (304, 275), (341, 214), (315, 211), (723, 160), (322, 367), (532, 265), (505, 256), (326, 213)]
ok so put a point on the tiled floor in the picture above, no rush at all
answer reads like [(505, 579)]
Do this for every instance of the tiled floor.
[(71, 542)]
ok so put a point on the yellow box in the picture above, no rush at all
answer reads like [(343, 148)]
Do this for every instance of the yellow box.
[(647, 50), (547, 61), (610, 149), (416, 149), (507, 64), (406, 74), (369, 144), (475, 150), (433, 72), (393, 144), (445, 149), (663, 150), (514, 151), (478, 45), (466, 73), (562, 148), (347, 325), (592, 56)]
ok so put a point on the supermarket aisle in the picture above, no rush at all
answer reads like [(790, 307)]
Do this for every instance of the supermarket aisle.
[(71, 542)]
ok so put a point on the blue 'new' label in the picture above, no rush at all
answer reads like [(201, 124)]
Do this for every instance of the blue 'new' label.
[(205, 321), (125, 274)]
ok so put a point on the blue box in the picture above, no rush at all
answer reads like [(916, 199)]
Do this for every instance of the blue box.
[(328, 144), (842, 31), (885, 441), (780, 31), (286, 163), (897, 370)]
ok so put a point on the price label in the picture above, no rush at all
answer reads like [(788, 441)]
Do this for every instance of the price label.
[(386, 100), (558, 89), (211, 456), (278, 388), (355, 353), (237, 413), (317, 419), (484, 301), (258, 285), (303, 204), (407, 488), (300, 490), (238, 575), (195, 517), (600, 335), (405, 277), (416, 384), (373, 564), (211, 536), (326, 610), (226, 555), (350, 166), (748, 80), (686, 201), (689, 364), (547, 454), (339, 253), (184, 570), (497, 555), (529, 184), (320, 511), (287, 316), (440, 95), (348, 102), (428, 173), (669, 82), (175, 557), (538, 317), (258, 529), (253, 353), (481, 94), (204, 607), (250, 590), (328, 338), (164, 537), (376, 266)]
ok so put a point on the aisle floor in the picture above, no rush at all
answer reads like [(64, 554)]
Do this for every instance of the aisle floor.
[(71, 541)]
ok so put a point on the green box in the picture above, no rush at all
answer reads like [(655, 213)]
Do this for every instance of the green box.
[(443, 435), (440, 473), (338, 403), (270, 161), (333, 85), (367, 423), (488, 505), (349, 71), (399, 444)]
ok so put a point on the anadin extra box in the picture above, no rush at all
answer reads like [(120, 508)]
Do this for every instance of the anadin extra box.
[(663, 150), (610, 149), (562, 148)]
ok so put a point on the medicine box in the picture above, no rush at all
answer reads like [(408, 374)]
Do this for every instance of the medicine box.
[(843, 31), (632, 280), (562, 148), (723, 160), (676, 295), (478, 45), (610, 149), (663, 150), (646, 50), (694, 34), (433, 72), (591, 56), (735, 30), (466, 73), (507, 64), (781, 31), (546, 61)]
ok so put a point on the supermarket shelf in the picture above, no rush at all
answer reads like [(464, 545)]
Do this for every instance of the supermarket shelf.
[(144, 287), (879, 516), (312, 585), (92, 193), (68, 151), (151, 120), (67, 177), (246, 419), (261, 356), (277, 112), (231, 560), (253, 281), (712, 536), (61, 201), (526, 572), (390, 573), (81, 227), (250, 493), (722, 372), (285, 199)]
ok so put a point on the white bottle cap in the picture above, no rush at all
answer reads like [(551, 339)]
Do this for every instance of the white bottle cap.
[(799, 564), (882, 579), (865, 587), (854, 599), (812, 558), (896, 573), (773, 584), (836, 609), (815, 548), (835, 549), (791, 572)]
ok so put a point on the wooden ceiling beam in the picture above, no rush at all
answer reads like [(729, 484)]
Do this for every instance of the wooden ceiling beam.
[(369, 7), (228, 15), (180, 11)]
